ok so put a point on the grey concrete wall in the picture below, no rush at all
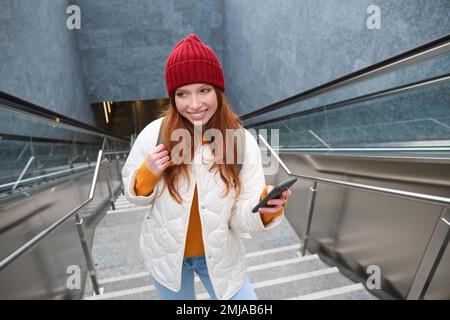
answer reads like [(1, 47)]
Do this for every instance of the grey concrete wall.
[(276, 49), (39, 59), (124, 44), (270, 49)]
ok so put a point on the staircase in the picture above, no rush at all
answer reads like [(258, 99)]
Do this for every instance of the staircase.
[(276, 269)]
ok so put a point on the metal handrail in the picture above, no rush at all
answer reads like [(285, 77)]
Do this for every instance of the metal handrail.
[(17, 182), (365, 149), (431, 49), (421, 197), (115, 152), (30, 243), (420, 283), (446, 221), (72, 170), (11, 102), (371, 96)]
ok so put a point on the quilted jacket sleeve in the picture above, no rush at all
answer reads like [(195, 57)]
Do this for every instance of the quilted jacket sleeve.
[(145, 180), (145, 141), (242, 219)]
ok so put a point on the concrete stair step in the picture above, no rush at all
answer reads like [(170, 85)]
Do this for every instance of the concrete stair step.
[(285, 268), (132, 217), (309, 285), (352, 292), (125, 205), (122, 202), (300, 284), (130, 209), (115, 267), (261, 287), (273, 254), (313, 280), (257, 271)]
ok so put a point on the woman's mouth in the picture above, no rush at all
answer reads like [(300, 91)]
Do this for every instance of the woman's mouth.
[(198, 115)]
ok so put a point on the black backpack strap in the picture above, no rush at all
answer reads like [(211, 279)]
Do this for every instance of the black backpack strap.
[(160, 133), (241, 148)]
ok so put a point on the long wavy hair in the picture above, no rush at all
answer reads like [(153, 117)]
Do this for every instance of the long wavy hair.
[(224, 118)]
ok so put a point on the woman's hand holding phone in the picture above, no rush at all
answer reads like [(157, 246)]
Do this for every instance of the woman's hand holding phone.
[(276, 204), (275, 197), (158, 159)]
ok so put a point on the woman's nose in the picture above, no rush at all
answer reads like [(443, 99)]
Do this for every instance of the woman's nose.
[(196, 102)]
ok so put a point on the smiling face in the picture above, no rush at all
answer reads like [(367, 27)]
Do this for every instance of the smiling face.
[(196, 102)]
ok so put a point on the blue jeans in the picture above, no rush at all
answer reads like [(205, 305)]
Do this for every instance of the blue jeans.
[(187, 291)]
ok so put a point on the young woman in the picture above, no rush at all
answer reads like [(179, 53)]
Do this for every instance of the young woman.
[(199, 204)]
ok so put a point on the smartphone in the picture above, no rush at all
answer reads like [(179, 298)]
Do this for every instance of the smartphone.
[(275, 193)]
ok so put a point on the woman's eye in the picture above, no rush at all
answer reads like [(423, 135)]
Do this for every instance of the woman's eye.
[(182, 94)]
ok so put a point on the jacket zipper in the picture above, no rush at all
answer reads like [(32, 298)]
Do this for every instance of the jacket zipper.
[(183, 248), (201, 224), (187, 226)]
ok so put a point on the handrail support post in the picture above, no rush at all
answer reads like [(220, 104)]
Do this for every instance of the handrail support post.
[(312, 202), (432, 257), (110, 188), (87, 255)]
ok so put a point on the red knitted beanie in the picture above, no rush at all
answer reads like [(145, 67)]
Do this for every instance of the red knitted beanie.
[(192, 62)]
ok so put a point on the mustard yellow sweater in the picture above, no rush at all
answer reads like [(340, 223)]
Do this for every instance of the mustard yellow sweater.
[(145, 183)]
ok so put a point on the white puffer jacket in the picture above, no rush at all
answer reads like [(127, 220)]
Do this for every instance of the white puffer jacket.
[(223, 219)]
